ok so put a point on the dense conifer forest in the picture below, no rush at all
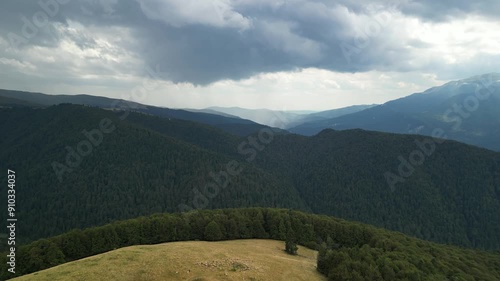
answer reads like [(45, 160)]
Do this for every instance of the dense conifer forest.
[(348, 250), (150, 165)]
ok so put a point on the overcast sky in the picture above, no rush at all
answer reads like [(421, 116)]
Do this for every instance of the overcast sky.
[(296, 54)]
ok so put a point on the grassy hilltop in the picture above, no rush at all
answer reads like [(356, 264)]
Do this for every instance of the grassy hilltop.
[(192, 260)]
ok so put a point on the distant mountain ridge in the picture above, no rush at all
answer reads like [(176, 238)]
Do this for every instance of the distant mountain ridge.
[(230, 124), (239, 121), (283, 119), (328, 114), (273, 118), (465, 110)]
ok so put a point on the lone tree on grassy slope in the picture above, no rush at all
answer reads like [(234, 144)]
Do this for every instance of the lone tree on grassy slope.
[(290, 243)]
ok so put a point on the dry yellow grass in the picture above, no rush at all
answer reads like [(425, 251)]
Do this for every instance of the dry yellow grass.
[(194, 261)]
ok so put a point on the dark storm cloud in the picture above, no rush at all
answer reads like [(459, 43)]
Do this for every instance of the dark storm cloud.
[(201, 54), (240, 38), (280, 38), (26, 23)]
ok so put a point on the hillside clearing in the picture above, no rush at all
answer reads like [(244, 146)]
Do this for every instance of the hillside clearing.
[(192, 260)]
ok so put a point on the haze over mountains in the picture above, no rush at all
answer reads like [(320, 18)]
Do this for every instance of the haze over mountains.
[(465, 110), (284, 119)]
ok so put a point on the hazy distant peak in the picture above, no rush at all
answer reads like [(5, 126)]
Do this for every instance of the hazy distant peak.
[(465, 85)]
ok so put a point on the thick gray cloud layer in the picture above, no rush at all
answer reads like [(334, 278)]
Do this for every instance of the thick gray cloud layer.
[(206, 41), (443, 10)]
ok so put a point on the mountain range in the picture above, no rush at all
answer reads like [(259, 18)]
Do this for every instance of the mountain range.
[(84, 161), (81, 173), (283, 119), (464, 110), (232, 124)]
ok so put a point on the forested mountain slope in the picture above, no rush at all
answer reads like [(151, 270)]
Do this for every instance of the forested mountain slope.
[(149, 164), (451, 195), (132, 171)]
